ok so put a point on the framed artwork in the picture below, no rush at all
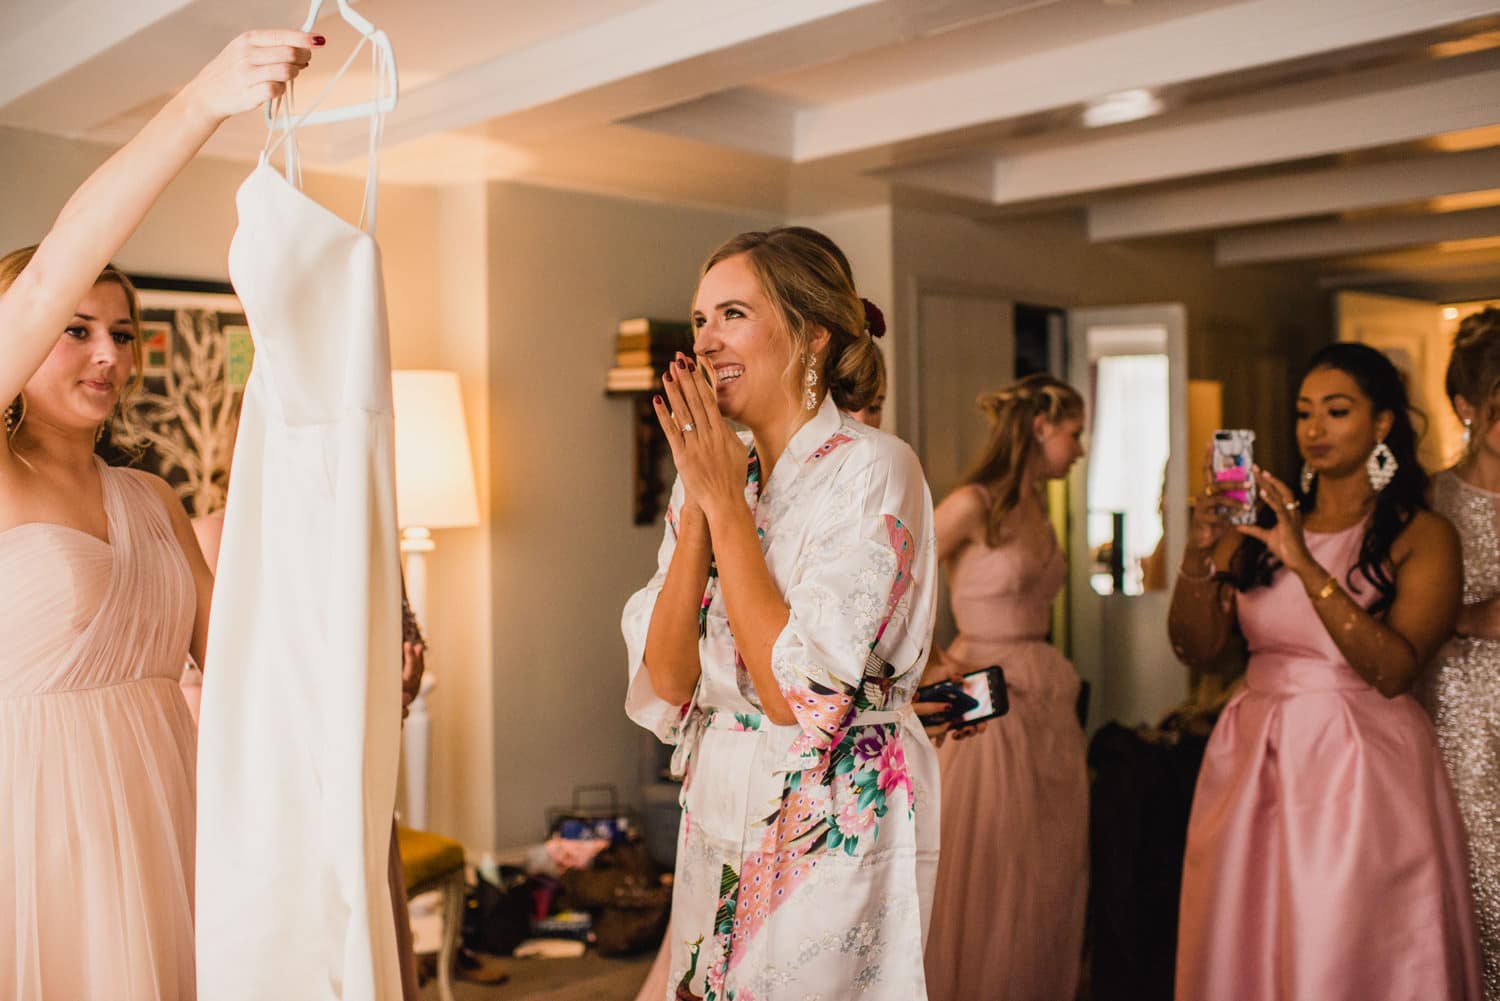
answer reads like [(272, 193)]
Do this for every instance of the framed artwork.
[(196, 354)]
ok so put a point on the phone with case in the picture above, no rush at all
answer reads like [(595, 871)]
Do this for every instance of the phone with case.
[(1234, 461), (982, 696)]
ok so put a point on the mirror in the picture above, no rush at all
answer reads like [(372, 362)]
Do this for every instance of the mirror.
[(1130, 442)]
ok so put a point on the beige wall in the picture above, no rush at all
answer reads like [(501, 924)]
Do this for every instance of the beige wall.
[(564, 270), (1249, 328)]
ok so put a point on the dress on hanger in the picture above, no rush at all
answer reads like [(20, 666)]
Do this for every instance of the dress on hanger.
[(96, 757), (1007, 919), (301, 712), (1462, 694), (1325, 854)]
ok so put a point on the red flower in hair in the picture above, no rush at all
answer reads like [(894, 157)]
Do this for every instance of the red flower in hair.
[(874, 319)]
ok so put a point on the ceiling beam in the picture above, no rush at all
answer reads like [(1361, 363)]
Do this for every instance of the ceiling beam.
[(1224, 40), (1379, 108), (83, 65), (661, 54), (38, 52), (1291, 243), (1293, 195)]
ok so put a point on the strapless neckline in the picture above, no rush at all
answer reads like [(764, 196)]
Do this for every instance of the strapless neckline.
[(67, 529)]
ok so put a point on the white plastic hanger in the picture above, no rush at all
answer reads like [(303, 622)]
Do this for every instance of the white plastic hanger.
[(385, 64)]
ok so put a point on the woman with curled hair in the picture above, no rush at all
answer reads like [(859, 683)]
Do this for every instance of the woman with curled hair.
[(1325, 854), (103, 592), (1462, 691), (780, 640), (1013, 875)]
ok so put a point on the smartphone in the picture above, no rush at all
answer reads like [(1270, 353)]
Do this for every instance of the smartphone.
[(1234, 455), (982, 696)]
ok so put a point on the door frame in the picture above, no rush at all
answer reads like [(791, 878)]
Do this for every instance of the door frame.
[(1088, 619)]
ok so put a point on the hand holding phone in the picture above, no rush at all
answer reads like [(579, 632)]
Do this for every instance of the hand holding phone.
[(981, 696)]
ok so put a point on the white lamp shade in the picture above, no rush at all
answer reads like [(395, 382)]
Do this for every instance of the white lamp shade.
[(434, 473)]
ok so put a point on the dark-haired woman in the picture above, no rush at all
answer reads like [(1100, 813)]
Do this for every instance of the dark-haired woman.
[(1007, 919), (1462, 692), (1325, 855), (780, 640)]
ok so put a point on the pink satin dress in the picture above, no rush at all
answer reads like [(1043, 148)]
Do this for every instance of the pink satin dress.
[(96, 757), (1325, 855), (1007, 917)]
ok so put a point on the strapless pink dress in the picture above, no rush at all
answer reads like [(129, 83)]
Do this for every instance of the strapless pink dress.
[(96, 758), (1007, 916), (1325, 856)]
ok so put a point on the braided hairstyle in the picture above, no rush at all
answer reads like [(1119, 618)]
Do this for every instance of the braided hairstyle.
[(1013, 412), (1378, 379), (1474, 369)]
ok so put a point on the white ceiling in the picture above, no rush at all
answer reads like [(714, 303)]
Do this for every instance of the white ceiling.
[(1358, 137)]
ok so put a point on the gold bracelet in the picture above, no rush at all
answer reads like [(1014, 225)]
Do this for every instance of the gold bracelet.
[(1329, 586)]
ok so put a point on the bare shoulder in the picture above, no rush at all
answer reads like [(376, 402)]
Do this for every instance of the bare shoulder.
[(967, 503), (163, 490), (1431, 538)]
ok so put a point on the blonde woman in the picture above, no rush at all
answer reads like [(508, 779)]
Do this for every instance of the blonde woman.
[(1013, 872), (780, 640), (103, 592)]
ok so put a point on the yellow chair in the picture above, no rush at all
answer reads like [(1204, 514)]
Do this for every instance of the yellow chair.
[(433, 862)]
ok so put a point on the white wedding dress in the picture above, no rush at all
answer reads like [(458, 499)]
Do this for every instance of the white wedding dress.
[(301, 714)]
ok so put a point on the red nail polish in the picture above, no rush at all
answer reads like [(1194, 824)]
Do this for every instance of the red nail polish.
[(319, 40), (668, 375), (656, 400)]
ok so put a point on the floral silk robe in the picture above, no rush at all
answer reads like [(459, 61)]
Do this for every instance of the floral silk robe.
[(807, 854)]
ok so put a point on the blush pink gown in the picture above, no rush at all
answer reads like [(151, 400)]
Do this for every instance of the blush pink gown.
[(96, 757), (1007, 916), (1325, 856)]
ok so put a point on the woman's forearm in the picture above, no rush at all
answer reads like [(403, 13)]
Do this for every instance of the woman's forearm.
[(672, 638), (1202, 611), (1378, 654), (758, 612), (1480, 620)]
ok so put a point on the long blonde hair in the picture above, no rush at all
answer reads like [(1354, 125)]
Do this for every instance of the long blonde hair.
[(11, 266), (1013, 412), (809, 283)]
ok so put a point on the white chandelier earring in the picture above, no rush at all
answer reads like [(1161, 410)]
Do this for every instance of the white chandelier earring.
[(1307, 478), (1381, 466), (810, 380)]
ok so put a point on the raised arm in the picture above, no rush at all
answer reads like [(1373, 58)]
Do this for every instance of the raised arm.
[(1202, 613), (1388, 652), (672, 638), (107, 208)]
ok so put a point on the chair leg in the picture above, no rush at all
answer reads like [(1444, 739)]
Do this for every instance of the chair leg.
[(453, 909)]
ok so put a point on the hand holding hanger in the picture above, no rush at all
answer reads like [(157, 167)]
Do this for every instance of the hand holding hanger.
[(253, 69), (384, 66)]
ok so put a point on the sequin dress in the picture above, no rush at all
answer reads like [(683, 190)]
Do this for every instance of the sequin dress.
[(1462, 693)]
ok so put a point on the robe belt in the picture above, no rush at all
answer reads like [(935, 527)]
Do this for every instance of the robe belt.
[(700, 720)]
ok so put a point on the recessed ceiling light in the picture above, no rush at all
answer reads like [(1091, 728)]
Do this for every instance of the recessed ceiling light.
[(1123, 106), (1450, 312)]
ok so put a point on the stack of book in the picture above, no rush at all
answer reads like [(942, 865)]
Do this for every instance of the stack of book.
[(643, 349)]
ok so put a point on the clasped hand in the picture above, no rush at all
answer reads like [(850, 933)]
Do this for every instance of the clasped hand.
[(709, 456)]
